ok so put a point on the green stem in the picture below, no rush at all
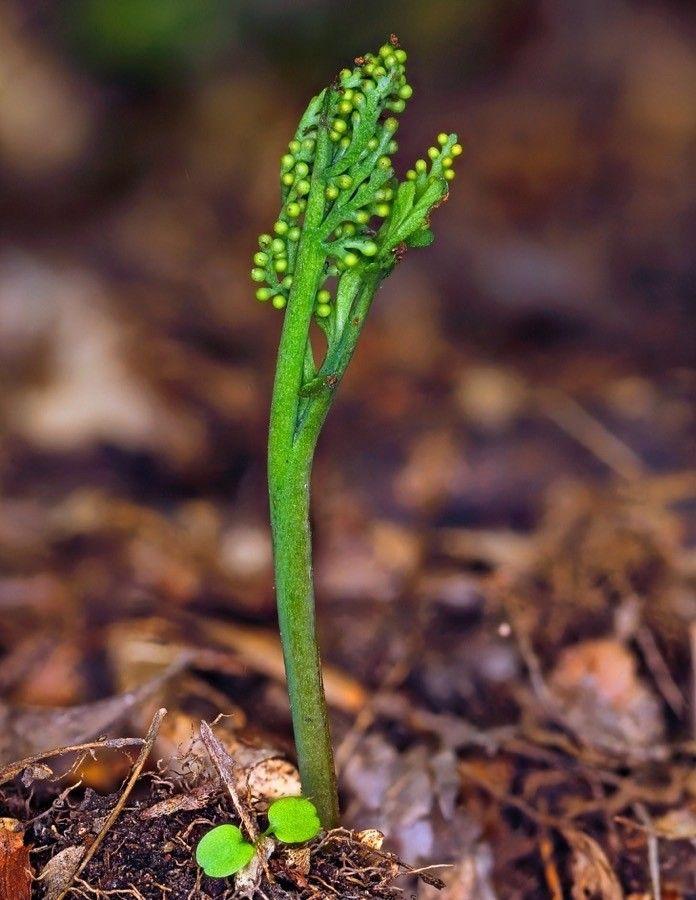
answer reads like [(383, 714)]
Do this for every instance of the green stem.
[(290, 455)]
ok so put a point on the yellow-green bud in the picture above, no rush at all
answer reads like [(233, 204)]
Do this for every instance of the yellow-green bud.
[(331, 192), (449, 174), (294, 146), (287, 179), (260, 258), (323, 296), (456, 150), (370, 248), (345, 182), (420, 165), (293, 210), (280, 264), (278, 301), (433, 152), (350, 260), (294, 234), (258, 275), (277, 246), (302, 187), (442, 138), (281, 227), (323, 310), (263, 294), (406, 92)]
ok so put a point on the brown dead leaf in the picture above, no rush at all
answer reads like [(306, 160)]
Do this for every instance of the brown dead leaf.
[(273, 778), (591, 871), (15, 871), (602, 699), (196, 798), (59, 870)]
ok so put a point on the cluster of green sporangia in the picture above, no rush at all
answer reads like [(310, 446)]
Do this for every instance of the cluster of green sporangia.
[(363, 223)]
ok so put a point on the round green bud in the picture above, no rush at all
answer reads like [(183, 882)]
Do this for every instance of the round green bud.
[(442, 138), (362, 217), (372, 144), (294, 146), (401, 55), (301, 169), (345, 182), (258, 275), (348, 229), (287, 281), (397, 106), (265, 240), (447, 162), (456, 150), (390, 61), (281, 227), (433, 152), (411, 175), (385, 50), (350, 260), (340, 125), (380, 71), (449, 174), (370, 248), (382, 210), (263, 294), (308, 145), (405, 92), (302, 187), (368, 85), (293, 210), (384, 162), (348, 94), (260, 258), (287, 179), (323, 310), (344, 142), (369, 68), (392, 147), (334, 136), (358, 99), (323, 296), (344, 73), (420, 165), (277, 246), (294, 234), (287, 161), (331, 192), (280, 264), (391, 124), (278, 301), (345, 107)]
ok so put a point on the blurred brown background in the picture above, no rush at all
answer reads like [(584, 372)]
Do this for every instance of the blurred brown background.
[(139, 143)]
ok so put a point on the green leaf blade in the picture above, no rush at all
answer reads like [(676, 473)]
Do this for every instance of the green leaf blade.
[(293, 820), (222, 851)]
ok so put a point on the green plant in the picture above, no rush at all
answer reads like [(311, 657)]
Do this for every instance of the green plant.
[(345, 221), (222, 851)]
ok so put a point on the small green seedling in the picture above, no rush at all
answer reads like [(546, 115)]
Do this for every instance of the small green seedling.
[(222, 851), (345, 222), (293, 820)]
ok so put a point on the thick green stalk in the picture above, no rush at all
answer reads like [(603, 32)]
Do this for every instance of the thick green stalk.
[(337, 182)]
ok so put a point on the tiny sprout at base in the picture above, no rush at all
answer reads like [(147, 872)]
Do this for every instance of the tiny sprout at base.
[(345, 221), (222, 851)]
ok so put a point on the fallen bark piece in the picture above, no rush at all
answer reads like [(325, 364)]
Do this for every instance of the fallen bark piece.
[(15, 871)]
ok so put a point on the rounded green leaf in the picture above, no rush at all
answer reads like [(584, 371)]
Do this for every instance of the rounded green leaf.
[(222, 851), (293, 819)]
